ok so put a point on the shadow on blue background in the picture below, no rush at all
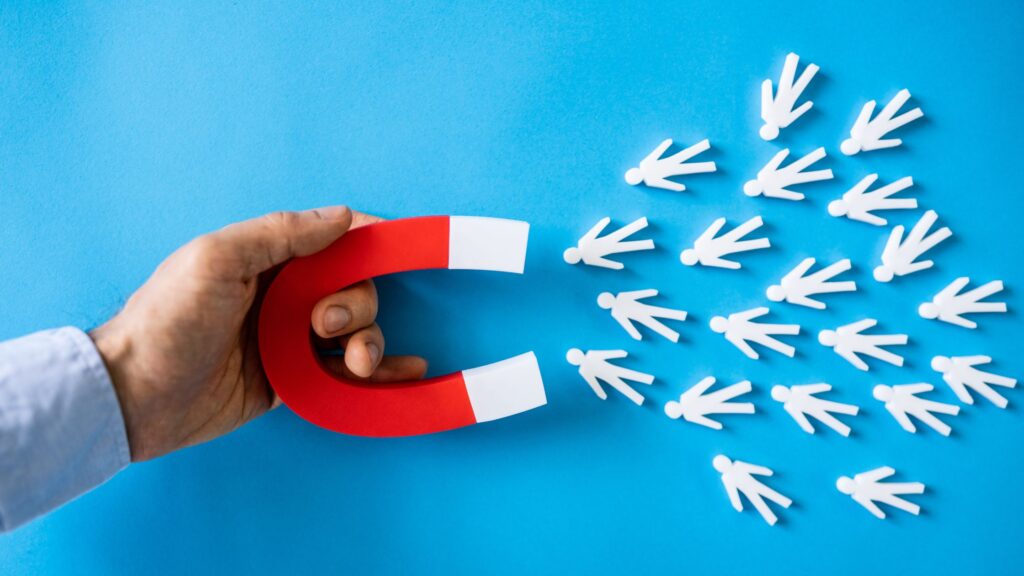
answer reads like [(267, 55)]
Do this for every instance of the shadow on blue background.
[(126, 129)]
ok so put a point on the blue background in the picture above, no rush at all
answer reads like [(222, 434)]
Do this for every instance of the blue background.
[(126, 130)]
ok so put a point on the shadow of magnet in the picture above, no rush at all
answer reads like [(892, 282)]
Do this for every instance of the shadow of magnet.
[(435, 404)]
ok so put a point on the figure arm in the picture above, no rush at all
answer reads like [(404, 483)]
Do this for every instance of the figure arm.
[(656, 154)]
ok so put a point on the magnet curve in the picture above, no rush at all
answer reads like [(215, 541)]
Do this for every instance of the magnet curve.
[(401, 408)]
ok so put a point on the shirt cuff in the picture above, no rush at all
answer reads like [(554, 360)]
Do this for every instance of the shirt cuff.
[(61, 428)]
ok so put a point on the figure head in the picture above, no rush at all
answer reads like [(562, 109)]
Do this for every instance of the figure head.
[(769, 132), (882, 393), (605, 300), (572, 255), (883, 273), (928, 310), (850, 146), (719, 324), (753, 188), (721, 463), (673, 409), (828, 338), (574, 356), (838, 208), (634, 176), (688, 257), (846, 485), (780, 393), (776, 293), (941, 364)]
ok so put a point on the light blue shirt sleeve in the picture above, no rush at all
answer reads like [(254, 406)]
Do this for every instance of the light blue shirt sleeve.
[(61, 428)]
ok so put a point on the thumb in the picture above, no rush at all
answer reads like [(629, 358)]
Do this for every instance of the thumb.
[(262, 243)]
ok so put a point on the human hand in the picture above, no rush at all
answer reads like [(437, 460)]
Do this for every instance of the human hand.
[(183, 354)]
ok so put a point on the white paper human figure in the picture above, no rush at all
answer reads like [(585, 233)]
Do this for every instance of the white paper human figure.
[(592, 250), (867, 134), (867, 488), (772, 181), (738, 477), (949, 304), (858, 204), (739, 328), (849, 342), (626, 308), (801, 402), (694, 405), (899, 257), (708, 250), (777, 112), (960, 373), (797, 286), (655, 171), (596, 368), (902, 402)]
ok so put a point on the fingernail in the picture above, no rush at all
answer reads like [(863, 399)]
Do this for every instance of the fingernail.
[(336, 318), (374, 352), (333, 212)]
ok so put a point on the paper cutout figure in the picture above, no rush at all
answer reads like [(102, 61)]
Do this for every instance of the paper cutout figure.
[(796, 286), (655, 171), (694, 405), (867, 134), (960, 373), (778, 112), (708, 250), (626, 308), (899, 257), (738, 477), (849, 342), (902, 402), (801, 402), (739, 328), (858, 204), (595, 367), (592, 250), (867, 488), (949, 304), (772, 180)]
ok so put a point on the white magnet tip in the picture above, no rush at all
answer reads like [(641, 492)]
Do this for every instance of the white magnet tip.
[(481, 243), (505, 388)]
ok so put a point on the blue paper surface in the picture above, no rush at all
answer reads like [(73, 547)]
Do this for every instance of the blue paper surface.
[(128, 128)]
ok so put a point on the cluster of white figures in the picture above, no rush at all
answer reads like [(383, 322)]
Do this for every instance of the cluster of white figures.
[(856, 342)]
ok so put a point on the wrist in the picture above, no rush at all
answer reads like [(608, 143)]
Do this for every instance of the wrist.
[(115, 348)]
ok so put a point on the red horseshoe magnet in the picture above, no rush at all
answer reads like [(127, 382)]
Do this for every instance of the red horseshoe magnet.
[(403, 408)]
